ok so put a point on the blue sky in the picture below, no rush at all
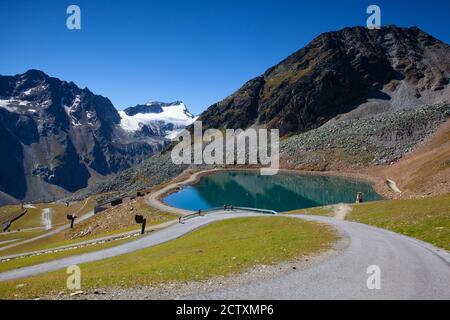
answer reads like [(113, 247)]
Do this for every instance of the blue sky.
[(195, 51)]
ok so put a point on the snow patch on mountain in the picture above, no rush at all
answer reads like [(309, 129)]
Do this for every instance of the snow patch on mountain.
[(12, 104), (72, 109)]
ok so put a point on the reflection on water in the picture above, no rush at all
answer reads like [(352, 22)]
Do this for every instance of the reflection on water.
[(283, 192)]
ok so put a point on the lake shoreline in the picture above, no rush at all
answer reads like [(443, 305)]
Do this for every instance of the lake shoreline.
[(190, 177)]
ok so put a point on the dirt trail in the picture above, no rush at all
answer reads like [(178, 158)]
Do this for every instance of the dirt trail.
[(8, 241), (341, 210), (391, 184), (83, 206)]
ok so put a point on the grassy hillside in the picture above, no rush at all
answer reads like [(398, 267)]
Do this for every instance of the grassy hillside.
[(33, 218), (426, 219), (221, 248), (113, 221)]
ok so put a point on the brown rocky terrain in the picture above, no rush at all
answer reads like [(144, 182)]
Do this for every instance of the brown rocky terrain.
[(426, 170)]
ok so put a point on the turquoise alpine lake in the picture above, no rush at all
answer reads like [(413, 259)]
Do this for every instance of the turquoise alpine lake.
[(282, 192)]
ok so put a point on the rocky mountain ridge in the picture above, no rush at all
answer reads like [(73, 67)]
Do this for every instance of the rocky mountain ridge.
[(354, 70), (58, 138)]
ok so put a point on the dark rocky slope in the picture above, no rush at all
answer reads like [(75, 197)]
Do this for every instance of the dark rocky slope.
[(57, 138), (367, 71)]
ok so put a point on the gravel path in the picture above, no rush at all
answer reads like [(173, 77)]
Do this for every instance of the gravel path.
[(341, 210), (8, 241)]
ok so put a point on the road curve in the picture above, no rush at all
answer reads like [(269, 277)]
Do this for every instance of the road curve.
[(410, 269)]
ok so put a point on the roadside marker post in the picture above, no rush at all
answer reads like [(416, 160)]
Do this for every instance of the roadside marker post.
[(71, 218), (141, 220)]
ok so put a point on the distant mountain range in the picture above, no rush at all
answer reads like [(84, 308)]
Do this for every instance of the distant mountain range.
[(57, 138)]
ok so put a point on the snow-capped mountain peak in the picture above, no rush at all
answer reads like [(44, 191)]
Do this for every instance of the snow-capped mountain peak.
[(158, 118)]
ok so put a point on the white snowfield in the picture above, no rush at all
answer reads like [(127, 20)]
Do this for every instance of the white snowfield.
[(176, 114)]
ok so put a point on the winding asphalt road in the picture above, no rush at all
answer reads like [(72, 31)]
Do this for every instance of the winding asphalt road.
[(410, 269)]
